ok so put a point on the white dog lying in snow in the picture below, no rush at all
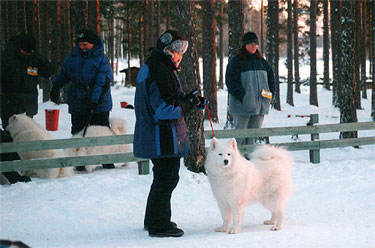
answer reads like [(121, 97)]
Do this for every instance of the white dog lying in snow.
[(118, 127), (23, 128)]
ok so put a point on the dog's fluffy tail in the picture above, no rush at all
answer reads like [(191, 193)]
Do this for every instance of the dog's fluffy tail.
[(268, 152)]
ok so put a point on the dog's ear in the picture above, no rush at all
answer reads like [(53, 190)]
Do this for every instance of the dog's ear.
[(13, 118), (234, 143), (214, 142)]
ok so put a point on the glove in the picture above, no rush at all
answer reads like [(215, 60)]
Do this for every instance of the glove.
[(55, 95), (93, 107), (202, 103), (189, 101)]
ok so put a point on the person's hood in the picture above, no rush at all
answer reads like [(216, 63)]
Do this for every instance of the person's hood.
[(97, 50)]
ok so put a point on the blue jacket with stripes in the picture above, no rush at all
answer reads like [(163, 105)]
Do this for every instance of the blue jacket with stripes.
[(160, 128)]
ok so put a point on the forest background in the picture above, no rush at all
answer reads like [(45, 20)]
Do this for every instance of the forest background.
[(292, 29)]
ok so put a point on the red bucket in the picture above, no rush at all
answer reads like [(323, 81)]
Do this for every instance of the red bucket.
[(52, 119), (124, 104)]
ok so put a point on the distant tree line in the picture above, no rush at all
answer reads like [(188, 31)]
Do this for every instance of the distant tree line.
[(214, 29)]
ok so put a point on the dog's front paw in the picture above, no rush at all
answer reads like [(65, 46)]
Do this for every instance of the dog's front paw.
[(275, 228), (233, 231), (221, 229)]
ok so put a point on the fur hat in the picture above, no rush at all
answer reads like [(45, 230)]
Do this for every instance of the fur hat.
[(26, 42), (86, 35), (250, 37), (173, 41)]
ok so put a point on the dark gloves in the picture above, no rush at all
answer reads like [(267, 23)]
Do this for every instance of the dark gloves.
[(202, 103), (189, 101), (55, 95), (192, 101)]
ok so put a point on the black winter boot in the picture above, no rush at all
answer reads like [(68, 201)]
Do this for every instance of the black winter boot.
[(172, 232), (108, 166)]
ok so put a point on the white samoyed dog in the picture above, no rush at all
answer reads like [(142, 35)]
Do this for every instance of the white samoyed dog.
[(235, 182), (118, 127), (23, 128)]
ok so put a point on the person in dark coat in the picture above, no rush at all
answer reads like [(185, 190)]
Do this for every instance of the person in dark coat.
[(21, 67), (160, 129), (11, 176), (251, 85), (89, 96)]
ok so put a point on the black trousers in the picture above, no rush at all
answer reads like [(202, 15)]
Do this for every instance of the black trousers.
[(158, 208), (79, 122)]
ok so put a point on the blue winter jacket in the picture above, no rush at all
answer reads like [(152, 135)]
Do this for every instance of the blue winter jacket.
[(251, 85), (160, 128), (90, 75)]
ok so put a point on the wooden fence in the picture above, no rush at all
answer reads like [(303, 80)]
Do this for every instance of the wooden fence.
[(143, 165)]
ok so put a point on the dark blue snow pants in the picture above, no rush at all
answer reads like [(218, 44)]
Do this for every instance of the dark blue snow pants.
[(158, 208)]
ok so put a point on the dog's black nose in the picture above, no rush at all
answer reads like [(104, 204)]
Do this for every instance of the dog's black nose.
[(226, 161)]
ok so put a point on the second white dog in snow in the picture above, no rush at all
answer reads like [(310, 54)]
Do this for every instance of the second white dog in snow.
[(235, 182), (118, 127)]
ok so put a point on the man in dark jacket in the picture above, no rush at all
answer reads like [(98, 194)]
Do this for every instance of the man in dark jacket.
[(21, 67), (160, 129)]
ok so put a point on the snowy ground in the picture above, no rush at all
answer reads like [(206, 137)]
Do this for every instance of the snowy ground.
[(333, 204)]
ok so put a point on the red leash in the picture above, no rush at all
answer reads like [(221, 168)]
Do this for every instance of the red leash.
[(209, 117)]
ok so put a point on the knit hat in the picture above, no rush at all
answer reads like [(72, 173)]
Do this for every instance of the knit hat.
[(173, 41), (26, 42), (250, 37), (86, 35)]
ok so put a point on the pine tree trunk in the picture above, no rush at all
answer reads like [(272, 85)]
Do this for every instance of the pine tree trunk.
[(289, 98), (296, 47), (141, 32), (235, 33), (221, 44), (150, 18), (190, 79), (12, 18), (44, 44), (157, 21), (313, 82), (28, 15), (209, 59), (167, 22), (358, 47), (273, 47), (145, 29), (363, 51), (129, 45), (326, 82), (69, 38), (373, 63), (346, 93), (262, 26), (92, 16), (336, 33)]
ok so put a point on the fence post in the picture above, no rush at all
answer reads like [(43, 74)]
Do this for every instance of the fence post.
[(144, 167), (314, 154)]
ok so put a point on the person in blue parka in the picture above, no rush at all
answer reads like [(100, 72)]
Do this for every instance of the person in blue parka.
[(160, 129), (89, 96)]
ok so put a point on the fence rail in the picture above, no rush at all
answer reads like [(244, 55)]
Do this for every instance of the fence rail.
[(143, 165)]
